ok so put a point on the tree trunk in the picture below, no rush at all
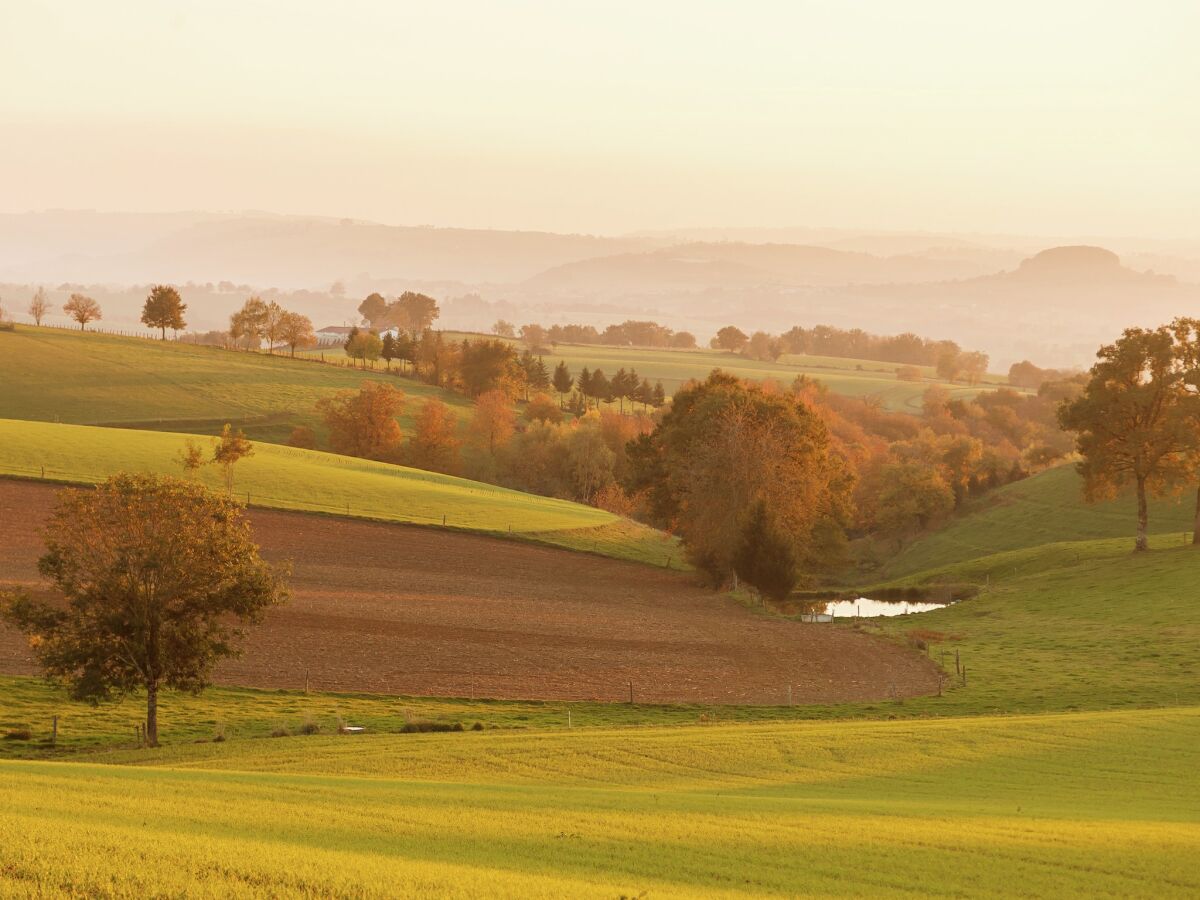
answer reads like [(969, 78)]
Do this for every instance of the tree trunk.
[(152, 715), (1142, 542), (164, 332), (1196, 522)]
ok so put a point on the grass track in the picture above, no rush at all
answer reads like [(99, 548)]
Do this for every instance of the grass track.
[(1050, 806), (288, 478)]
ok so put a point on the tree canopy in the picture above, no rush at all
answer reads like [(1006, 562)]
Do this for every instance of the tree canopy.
[(157, 574)]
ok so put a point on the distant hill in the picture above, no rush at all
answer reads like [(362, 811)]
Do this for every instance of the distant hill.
[(714, 264), (271, 250), (1080, 264)]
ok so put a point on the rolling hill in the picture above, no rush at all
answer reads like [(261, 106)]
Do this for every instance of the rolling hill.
[(306, 480), (1045, 509), (55, 375)]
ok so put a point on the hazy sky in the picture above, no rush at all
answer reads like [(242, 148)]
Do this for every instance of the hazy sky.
[(1045, 117)]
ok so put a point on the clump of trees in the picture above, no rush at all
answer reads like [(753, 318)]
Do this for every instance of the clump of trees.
[(261, 320), (724, 448), (158, 575), (411, 312), (363, 423), (1137, 419)]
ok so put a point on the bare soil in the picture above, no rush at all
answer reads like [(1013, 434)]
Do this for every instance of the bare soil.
[(420, 612)]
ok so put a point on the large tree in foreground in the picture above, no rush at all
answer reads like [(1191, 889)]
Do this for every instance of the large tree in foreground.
[(1128, 421), (164, 309), (157, 574)]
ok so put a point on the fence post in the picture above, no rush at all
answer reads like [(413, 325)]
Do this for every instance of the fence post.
[(54, 731)]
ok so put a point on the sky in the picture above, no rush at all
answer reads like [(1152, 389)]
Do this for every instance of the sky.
[(1050, 117)]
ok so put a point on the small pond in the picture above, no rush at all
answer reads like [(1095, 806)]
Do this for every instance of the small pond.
[(861, 607)]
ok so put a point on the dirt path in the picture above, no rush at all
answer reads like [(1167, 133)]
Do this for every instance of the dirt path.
[(404, 610)]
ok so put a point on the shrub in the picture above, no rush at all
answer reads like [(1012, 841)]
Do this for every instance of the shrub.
[(219, 734), (19, 734), (281, 731), (310, 727), (478, 726), (422, 726)]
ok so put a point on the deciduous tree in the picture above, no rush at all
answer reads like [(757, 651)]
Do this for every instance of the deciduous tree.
[(82, 309), (231, 447), (157, 574), (296, 330), (39, 306), (1126, 423), (434, 444), (164, 309), (363, 423)]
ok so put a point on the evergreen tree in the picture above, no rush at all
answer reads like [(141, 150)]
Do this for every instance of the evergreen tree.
[(765, 557), (563, 382)]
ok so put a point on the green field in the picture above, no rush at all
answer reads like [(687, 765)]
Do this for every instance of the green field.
[(55, 375), (289, 478), (853, 378), (988, 807), (1047, 508)]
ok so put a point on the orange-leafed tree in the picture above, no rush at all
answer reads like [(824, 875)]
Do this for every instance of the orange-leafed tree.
[(434, 444), (363, 423)]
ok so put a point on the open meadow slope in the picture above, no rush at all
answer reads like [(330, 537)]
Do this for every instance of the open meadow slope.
[(1047, 508), (55, 375), (1073, 805)]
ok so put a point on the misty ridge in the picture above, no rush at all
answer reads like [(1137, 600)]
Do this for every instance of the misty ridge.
[(1052, 300)]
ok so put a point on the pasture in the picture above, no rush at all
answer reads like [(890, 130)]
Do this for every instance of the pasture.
[(280, 477), (56, 375), (1047, 508), (1083, 804), (853, 378)]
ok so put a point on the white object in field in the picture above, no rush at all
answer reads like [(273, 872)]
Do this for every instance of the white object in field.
[(354, 729)]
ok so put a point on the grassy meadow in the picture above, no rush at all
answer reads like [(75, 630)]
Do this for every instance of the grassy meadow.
[(56, 375), (1045, 509), (852, 377), (288, 478), (1036, 806)]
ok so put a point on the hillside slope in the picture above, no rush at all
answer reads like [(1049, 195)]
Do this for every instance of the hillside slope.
[(311, 481), (54, 375), (1047, 508)]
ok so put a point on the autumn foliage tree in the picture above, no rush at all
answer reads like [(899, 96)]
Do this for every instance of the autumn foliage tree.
[(157, 574), (228, 450), (296, 330), (363, 423), (434, 444), (82, 309), (39, 306), (723, 447)]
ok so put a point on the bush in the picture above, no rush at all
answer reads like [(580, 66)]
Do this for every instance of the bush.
[(478, 726), (219, 734), (310, 727), (281, 731), (19, 734), (423, 726)]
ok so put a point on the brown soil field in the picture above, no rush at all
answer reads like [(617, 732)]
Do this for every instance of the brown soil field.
[(419, 612)]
